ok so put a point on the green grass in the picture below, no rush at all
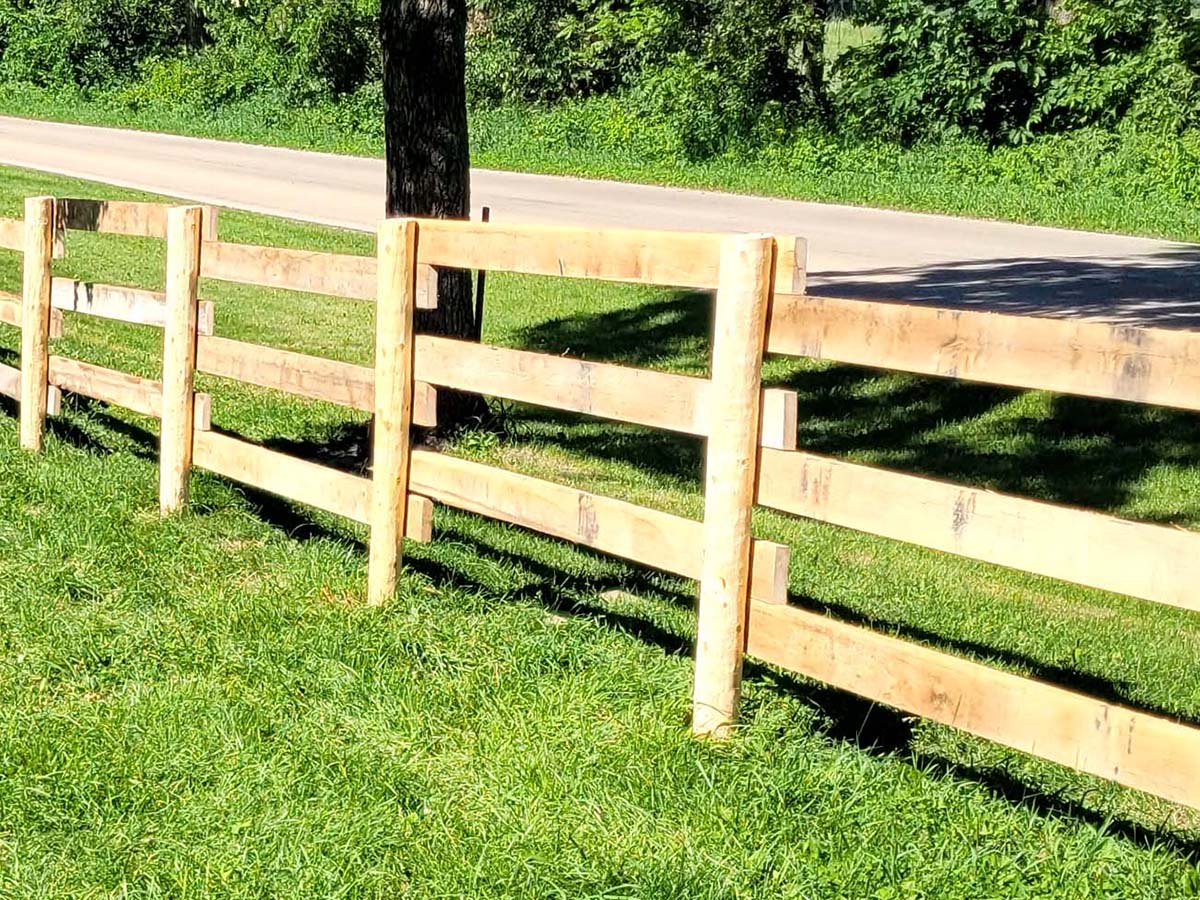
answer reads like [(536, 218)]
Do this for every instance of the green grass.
[(1130, 182), (203, 707)]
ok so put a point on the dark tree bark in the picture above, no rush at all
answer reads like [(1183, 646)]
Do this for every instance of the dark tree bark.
[(428, 154)]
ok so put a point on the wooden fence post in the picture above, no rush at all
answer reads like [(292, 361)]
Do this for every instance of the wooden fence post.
[(179, 356), (731, 466), (396, 300), (35, 319)]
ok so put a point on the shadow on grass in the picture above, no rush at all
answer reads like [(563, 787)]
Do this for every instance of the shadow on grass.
[(1063, 449)]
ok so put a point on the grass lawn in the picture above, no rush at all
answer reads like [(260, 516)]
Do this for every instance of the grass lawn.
[(202, 707)]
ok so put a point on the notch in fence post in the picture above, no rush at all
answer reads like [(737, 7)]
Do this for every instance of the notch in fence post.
[(396, 299), (731, 470), (181, 316), (35, 319)]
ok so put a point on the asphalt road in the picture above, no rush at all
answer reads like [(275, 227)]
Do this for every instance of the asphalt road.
[(852, 251)]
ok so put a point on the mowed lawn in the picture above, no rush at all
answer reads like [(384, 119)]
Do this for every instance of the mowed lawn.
[(203, 707)]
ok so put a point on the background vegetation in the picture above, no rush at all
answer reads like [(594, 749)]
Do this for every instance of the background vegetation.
[(1074, 112)]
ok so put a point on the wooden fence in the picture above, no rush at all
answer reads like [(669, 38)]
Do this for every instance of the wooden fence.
[(751, 455)]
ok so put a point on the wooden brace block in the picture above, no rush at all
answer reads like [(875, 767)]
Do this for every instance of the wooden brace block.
[(780, 419), (418, 524), (427, 287)]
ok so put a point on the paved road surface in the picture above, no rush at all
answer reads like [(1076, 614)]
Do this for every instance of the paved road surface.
[(853, 251)]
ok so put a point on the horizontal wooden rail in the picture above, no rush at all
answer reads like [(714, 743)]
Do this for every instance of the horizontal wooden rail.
[(125, 304), (131, 218), (1158, 366), (1136, 749), (141, 395), (1076, 545), (10, 386), (658, 539), (306, 271), (314, 377), (301, 481), (677, 259), (663, 400), (11, 313)]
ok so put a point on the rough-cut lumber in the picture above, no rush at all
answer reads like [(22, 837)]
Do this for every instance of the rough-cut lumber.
[(10, 314), (302, 481), (307, 271), (1133, 748), (126, 217), (314, 377), (10, 386), (126, 304), (1159, 366), (1152, 562), (396, 299), (638, 396), (730, 469), (662, 540), (141, 395), (35, 319), (679, 259), (179, 357)]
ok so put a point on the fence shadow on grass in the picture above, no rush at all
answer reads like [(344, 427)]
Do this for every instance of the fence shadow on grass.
[(1065, 449)]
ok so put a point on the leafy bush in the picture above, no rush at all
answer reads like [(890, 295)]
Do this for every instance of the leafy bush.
[(1004, 70), (87, 42)]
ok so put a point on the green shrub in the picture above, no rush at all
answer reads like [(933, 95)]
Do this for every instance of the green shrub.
[(1005, 70)]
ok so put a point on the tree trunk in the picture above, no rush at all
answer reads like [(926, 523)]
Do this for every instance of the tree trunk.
[(428, 155)]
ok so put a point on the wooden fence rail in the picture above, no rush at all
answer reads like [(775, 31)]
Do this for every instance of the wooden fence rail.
[(751, 432)]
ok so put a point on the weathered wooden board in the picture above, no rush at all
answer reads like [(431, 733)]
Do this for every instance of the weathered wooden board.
[(1123, 362), (1152, 562), (301, 481), (730, 470), (10, 386), (141, 395), (662, 540), (314, 377), (672, 258), (663, 400), (131, 218), (125, 304), (1133, 748)]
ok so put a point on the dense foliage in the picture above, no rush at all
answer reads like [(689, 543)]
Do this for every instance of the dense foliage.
[(1005, 70), (678, 79)]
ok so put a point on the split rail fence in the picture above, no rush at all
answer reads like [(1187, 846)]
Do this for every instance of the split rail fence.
[(751, 456)]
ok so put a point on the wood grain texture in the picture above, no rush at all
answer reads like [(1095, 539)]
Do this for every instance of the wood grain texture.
[(1136, 749), (396, 304), (1158, 366), (1151, 562), (127, 217), (731, 468), (10, 386), (179, 357), (314, 377), (126, 304), (665, 541), (668, 258), (35, 319), (141, 395), (306, 271), (678, 403)]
